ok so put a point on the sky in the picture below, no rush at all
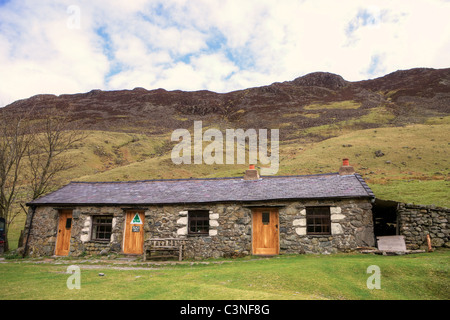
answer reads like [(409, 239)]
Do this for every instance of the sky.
[(65, 47)]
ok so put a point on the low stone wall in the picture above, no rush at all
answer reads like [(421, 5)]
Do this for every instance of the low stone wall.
[(418, 221), (230, 228), (97, 247)]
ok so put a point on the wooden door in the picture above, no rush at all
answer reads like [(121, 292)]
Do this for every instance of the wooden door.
[(64, 232), (265, 232), (134, 233)]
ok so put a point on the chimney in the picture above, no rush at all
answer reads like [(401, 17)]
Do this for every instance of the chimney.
[(251, 173), (346, 168)]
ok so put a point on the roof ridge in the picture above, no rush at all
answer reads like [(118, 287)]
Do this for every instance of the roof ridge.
[(194, 179), (151, 180)]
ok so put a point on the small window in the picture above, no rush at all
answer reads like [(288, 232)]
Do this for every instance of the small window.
[(318, 220), (266, 218), (68, 223), (198, 221), (101, 228)]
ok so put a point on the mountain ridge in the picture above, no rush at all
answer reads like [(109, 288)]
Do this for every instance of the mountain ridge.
[(315, 99)]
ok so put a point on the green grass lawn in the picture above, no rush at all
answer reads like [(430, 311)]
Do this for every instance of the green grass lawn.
[(340, 276)]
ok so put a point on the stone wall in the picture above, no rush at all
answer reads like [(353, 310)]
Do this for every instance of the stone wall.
[(43, 235), (351, 227), (417, 221), (230, 228), (42, 239)]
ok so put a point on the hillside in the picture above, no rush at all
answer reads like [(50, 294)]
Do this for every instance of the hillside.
[(414, 166)]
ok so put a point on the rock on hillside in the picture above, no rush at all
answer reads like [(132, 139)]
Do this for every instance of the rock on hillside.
[(321, 79)]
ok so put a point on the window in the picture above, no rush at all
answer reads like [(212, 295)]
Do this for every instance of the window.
[(265, 218), (101, 228), (68, 223), (198, 221), (318, 220)]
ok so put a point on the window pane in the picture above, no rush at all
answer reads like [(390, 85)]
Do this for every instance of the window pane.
[(101, 227), (68, 223), (198, 221), (266, 217), (318, 220)]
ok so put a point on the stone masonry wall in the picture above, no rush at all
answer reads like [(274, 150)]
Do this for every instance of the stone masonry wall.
[(42, 239), (43, 236), (351, 226), (417, 221), (230, 228)]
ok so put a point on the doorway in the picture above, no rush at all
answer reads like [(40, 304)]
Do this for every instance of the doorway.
[(134, 233), (64, 233), (385, 221), (265, 232)]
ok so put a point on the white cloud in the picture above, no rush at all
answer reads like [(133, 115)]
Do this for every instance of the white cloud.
[(215, 45), (42, 55)]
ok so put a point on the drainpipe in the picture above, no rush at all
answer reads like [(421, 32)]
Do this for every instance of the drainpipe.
[(33, 210)]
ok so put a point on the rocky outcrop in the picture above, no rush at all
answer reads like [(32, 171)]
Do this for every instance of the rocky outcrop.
[(321, 79)]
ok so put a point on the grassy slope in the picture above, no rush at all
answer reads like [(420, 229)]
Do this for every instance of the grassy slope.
[(413, 169), (340, 276)]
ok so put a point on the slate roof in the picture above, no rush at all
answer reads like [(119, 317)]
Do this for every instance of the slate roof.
[(237, 189)]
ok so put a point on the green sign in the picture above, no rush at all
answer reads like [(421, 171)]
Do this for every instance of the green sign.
[(136, 219)]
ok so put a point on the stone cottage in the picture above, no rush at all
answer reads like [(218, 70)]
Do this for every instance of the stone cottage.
[(218, 217)]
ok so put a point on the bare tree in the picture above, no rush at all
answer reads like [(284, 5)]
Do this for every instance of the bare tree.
[(47, 154), (15, 138), (33, 152)]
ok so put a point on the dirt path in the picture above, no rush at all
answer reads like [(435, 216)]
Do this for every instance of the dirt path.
[(127, 263)]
